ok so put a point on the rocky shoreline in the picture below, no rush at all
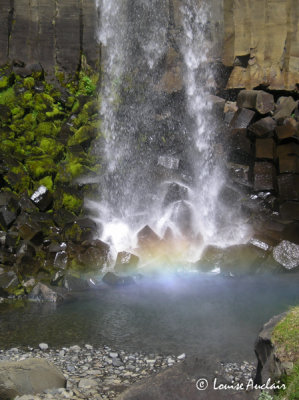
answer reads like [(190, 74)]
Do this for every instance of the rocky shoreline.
[(102, 373)]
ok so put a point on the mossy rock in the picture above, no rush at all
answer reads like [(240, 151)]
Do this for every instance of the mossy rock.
[(47, 181), (51, 148), (29, 82), (49, 129), (83, 136), (18, 179), (40, 167), (17, 113), (8, 97), (4, 82), (71, 203)]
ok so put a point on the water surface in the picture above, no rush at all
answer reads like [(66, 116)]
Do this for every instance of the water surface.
[(195, 314)]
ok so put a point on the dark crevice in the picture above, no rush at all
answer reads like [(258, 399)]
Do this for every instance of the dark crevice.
[(81, 35), (55, 34), (10, 23)]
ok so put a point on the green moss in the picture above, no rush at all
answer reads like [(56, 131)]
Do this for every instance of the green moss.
[(29, 83), (71, 203), (51, 147), (286, 339), (76, 107), (47, 181), (18, 179), (73, 233), (40, 167), (56, 113), (70, 102), (4, 82), (83, 135), (17, 112), (47, 129), (27, 97), (8, 97), (286, 336)]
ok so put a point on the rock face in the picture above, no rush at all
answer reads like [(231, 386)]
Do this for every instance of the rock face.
[(28, 377), (258, 39), (261, 43), (57, 33), (264, 351)]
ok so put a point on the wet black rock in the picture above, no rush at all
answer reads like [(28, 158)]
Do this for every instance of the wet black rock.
[(114, 280), (147, 237), (7, 217), (42, 198), (42, 293), (8, 282), (286, 253), (264, 176), (126, 263), (242, 118)]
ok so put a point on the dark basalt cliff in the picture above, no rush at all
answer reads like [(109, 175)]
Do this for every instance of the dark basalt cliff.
[(54, 33), (257, 39)]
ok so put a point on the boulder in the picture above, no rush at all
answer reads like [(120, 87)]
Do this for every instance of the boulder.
[(242, 259), (114, 280), (29, 376), (126, 263), (242, 118), (91, 254), (264, 127), (287, 254), (147, 237), (7, 217), (60, 260), (175, 192), (264, 176), (82, 229), (240, 174), (42, 198), (265, 149), (285, 107), (288, 187), (268, 364), (258, 100), (8, 282), (42, 293), (72, 283), (179, 383), (210, 258)]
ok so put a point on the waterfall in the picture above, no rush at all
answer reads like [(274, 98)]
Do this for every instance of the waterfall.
[(159, 161)]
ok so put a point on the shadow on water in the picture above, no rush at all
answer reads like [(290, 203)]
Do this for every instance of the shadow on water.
[(196, 314)]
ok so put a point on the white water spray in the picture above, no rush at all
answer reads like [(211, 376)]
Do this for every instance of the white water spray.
[(148, 131)]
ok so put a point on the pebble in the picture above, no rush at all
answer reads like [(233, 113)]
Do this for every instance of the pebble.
[(103, 373), (92, 373), (43, 346)]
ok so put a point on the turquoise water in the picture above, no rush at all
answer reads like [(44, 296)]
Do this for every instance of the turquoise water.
[(195, 314)]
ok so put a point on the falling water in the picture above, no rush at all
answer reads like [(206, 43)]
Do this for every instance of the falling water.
[(159, 159)]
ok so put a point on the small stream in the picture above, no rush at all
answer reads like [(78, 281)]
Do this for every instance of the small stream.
[(191, 313)]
